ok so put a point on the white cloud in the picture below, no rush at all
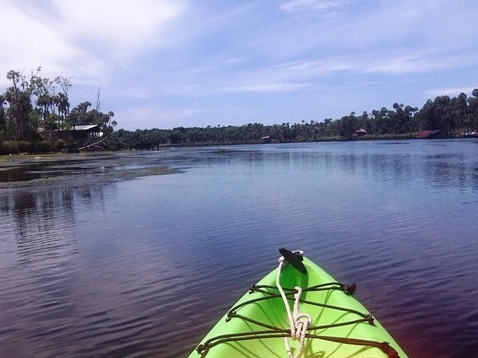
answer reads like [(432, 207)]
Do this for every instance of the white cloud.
[(117, 25), (30, 43), (166, 55), (81, 39)]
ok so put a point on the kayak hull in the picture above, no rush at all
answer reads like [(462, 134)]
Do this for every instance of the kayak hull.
[(341, 326)]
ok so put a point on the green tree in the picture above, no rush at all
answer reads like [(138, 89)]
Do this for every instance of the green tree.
[(33, 102), (471, 121), (3, 122), (19, 107)]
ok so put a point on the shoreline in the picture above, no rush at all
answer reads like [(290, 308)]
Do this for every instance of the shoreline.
[(76, 170)]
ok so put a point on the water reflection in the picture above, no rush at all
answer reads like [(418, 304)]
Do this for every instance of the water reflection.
[(109, 270), (38, 250), (30, 171), (41, 221), (401, 163)]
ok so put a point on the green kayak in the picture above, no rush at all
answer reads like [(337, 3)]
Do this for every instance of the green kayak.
[(298, 310)]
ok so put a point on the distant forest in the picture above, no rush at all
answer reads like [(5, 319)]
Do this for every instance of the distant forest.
[(449, 117), (34, 108)]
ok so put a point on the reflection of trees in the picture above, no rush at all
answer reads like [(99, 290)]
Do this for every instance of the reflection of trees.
[(44, 220), (44, 223), (451, 170), (454, 170), (38, 230)]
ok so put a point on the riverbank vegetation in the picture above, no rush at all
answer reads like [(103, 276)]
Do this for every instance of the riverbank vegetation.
[(34, 108), (446, 117)]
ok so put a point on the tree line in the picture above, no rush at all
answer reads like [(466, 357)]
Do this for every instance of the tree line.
[(448, 116), (34, 104)]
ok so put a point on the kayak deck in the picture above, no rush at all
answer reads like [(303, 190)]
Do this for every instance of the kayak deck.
[(257, 324)]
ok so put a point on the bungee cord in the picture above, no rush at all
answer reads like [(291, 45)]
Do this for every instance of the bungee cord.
[(300, 324)]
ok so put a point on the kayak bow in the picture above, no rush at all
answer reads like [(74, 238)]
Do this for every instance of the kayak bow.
[(298, 310)]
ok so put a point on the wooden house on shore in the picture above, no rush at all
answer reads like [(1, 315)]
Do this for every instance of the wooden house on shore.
[(76, 132)]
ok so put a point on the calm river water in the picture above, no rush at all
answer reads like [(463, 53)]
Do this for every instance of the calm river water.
[(143, 268)]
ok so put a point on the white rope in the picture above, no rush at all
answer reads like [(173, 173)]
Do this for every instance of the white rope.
[(298, 322)]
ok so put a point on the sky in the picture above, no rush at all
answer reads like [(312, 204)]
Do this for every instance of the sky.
[(183, 63)]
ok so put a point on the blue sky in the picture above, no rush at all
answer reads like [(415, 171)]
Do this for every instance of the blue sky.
[(165, 64)]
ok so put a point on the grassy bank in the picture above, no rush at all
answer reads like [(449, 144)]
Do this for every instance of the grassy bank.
[(41, 146)]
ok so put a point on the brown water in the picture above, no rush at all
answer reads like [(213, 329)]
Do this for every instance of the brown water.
[(144, 268)]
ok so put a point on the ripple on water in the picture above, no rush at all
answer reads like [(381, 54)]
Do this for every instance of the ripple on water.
[(145, 268)]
